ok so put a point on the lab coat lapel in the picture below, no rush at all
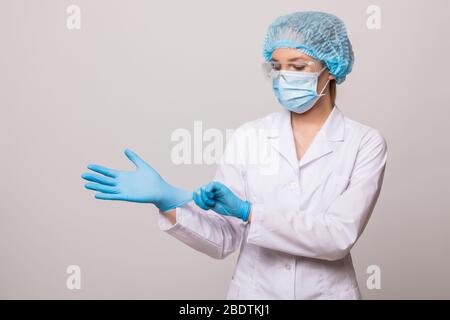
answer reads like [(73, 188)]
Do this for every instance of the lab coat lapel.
[(331, 132), (283, 139), (318, 148), (324, 143)]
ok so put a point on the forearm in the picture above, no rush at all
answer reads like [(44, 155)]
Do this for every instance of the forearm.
[(321, 236), (204, 231)]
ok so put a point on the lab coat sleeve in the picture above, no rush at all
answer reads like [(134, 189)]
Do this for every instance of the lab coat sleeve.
[(206, 231), (326, 235)]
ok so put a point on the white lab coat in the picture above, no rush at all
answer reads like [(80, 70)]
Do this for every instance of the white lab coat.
[(307, 214)]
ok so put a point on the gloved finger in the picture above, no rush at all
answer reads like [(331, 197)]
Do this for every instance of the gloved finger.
[(196, 196), (110, 196), (103, 170), (217, 188), (98, 178), (101, 188), (135, 158), (209, 188), (206, 199), (210, 194)]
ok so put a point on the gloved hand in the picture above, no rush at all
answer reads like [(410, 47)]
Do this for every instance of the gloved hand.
[(143, 185), (219, 198)]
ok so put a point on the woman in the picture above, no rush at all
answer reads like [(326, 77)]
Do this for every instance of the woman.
[(296, 223)]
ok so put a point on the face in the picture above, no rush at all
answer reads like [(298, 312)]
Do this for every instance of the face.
[(294, 60)]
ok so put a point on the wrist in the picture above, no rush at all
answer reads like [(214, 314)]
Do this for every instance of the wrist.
[(173, 198), (245, 212)]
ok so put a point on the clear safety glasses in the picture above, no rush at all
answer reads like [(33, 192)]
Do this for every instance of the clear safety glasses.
[(271, 68)]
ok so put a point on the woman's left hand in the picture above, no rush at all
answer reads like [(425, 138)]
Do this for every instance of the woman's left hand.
[(143, 185), (219, 198)]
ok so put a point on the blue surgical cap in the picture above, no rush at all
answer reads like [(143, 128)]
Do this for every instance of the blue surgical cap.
[(319, 35)]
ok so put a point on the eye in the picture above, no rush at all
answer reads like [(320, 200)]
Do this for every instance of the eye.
[(276, 66), (299, 67)]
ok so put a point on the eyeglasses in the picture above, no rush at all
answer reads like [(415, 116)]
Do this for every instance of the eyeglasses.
[(271, 68)]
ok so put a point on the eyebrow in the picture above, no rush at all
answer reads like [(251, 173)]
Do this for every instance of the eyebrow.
[(290, 60)]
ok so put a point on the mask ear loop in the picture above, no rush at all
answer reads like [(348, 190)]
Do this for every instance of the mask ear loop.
[(321, 92)]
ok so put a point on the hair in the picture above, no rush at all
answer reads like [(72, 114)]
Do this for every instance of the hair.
[(332, 89)]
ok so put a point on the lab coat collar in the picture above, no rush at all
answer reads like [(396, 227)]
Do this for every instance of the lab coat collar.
[(332, 131)]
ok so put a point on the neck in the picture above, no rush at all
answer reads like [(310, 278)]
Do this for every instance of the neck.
[(313, 119)]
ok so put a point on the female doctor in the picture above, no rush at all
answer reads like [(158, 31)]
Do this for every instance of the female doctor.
[(297, 211)]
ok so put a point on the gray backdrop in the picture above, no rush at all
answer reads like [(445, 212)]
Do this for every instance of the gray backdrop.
[(137, 71)]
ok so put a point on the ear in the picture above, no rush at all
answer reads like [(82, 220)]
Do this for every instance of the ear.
[(330, 76)]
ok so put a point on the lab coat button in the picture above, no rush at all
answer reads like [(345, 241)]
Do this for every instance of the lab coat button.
[(288, 267)]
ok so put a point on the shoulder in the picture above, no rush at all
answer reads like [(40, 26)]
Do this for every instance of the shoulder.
[(268, 121), (364, 133), (250, 135)]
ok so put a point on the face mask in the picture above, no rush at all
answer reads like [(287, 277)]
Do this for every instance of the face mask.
[(297, 91)]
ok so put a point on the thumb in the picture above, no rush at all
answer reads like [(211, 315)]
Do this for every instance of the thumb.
[(135, 158)]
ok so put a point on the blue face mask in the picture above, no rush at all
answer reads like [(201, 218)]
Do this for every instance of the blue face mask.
[(297, 91)]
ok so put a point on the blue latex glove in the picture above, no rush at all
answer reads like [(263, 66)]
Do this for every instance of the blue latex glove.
[(143, 185), (219, 198)]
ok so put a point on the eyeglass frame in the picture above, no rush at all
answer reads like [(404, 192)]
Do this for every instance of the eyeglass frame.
[(266, 65)]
